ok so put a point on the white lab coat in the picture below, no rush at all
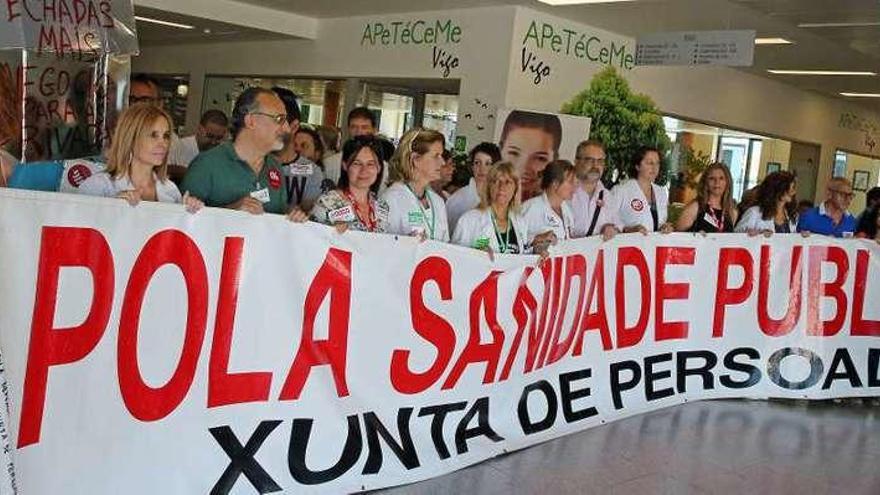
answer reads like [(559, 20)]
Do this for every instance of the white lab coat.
[(462, 201), (405, 214), (539, 218), (633, 208), (583, 206), (477, 224), (753, 220)]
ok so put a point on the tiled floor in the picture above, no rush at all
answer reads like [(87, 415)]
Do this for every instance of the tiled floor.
[(750, 447)]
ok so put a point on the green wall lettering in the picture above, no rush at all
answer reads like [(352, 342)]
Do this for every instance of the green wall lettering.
[(420, 32), (544, 36)]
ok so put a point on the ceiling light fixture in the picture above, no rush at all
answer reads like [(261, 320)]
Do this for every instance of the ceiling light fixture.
[(164, 23), (772, 41), (820, 73), (576, 2), (861, 95), (837, 24)]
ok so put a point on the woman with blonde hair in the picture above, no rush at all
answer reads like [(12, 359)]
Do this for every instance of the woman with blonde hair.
[(713, 210), (137, 166), (414, 209), (495, 225)]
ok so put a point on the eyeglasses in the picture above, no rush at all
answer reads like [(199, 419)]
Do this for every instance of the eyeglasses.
[(843, 194), (591, 160), (278, 118)]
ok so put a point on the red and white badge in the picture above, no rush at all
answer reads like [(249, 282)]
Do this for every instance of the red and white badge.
[(274, 178), (637, 204), (77, 174), (344, 214)]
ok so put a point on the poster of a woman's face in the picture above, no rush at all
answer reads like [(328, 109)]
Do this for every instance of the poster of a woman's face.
[(531, 140)]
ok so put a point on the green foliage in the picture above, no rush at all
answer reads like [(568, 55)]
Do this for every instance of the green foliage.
[(691, 166), (624, 121)]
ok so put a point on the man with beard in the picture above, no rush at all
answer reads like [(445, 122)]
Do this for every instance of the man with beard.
[(243, 174), (591, 217)]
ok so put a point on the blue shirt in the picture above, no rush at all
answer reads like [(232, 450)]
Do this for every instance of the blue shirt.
[(817, 221)]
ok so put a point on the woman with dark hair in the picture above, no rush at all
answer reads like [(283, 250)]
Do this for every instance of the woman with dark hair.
[(713, 210), (495, 225), (353, 204), (480, 159), (137, 162), (548, 217), (414, 209), (641, 204), (869, 225), (303, 168), (774, 211)]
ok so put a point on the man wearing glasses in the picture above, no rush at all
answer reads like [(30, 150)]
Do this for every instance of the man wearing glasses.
[(213, 129), (591, 216), (243, 174), (831, 216)]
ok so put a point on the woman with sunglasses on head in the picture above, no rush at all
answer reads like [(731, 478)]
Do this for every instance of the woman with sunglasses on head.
[(775, 211), (353, 204), (495, 225), (414, 209), (549, 217), (137, 166), (713, 210), (481, 158)]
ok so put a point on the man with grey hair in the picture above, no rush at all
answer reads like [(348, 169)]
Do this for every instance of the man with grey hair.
[(591, 215), (831, 216), (243, 174)]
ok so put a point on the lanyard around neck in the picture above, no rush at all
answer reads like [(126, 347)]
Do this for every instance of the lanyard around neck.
[(504, 242), (430, 226)]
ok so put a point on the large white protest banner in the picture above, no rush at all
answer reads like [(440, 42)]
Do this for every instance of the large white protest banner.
[(147, 350)]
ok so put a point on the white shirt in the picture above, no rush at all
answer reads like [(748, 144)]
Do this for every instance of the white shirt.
[(101, 184), (539, 218), (477, 225), (584, 207), (182, 150), (752, 219), (462, 201), (633, 208), (407, 216)]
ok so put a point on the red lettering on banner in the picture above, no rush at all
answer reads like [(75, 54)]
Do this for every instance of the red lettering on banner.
[(724, 294), (818, 290), (786, 324), (10, 12), (632, 257), (485, 296), (599, 319), (429, 325), (551, 312), (860, 326), (333, 279), (172, 247), (670, 330), (575, 267), (63, 247), (226, 388), (525, 311)]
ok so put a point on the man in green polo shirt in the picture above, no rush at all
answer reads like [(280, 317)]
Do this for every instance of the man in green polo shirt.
[(243, 174)]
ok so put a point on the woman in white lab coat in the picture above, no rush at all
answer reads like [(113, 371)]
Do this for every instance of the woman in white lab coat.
[(495, 225), (548, 217), (641, 204), (775, 211), (413, 208)]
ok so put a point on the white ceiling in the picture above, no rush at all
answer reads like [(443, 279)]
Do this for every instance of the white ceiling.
[(850, 48)]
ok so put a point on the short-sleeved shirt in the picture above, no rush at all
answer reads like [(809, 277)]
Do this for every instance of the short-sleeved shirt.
[(220, 177), (817, 221)]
